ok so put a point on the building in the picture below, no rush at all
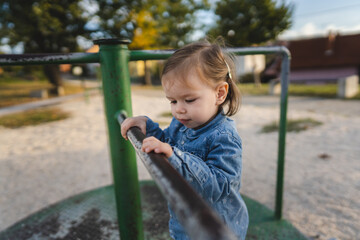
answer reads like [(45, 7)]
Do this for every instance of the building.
[(320, 60)]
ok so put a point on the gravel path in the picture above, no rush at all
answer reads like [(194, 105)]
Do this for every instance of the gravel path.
[(40, 165)]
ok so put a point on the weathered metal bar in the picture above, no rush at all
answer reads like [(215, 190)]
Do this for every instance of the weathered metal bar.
[(24, 59), (198, 219), (259, 50), (48, 58), (114, 56), (156, 55), (136, 55), (285, 69)]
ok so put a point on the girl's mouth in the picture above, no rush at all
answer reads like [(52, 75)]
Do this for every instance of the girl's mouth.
[(184, 121)]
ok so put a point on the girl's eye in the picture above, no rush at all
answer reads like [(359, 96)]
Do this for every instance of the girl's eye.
[(172, 102), (190, 100)]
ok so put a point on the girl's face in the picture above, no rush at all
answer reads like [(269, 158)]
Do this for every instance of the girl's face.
[(193, 102)]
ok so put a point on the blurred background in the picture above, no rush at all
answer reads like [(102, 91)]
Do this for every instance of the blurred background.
[(323, 38), (40, 165)]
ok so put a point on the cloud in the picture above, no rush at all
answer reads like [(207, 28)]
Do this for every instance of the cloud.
[(350, 29), (310, 29)]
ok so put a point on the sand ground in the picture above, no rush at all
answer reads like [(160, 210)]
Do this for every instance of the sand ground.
[(40, 165)]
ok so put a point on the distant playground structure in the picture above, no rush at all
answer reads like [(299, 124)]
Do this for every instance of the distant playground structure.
[(321, 60)]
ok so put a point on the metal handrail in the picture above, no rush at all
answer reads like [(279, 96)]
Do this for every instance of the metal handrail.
[(48, 58), (284, 81), (199, 220), (114, 57)]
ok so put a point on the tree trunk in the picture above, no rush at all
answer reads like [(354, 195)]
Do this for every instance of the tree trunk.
[(52, 72), (256, 72), (257, 79), (147, 74)]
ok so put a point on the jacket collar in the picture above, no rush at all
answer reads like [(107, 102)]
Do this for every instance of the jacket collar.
[(192, 134)]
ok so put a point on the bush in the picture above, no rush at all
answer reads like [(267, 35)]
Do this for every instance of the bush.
[(246, 78), (292, 125)]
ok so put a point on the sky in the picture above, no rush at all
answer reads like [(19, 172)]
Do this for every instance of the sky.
[(312, 18)]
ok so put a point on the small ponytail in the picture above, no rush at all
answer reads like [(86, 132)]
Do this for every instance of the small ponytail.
[(233, 99)]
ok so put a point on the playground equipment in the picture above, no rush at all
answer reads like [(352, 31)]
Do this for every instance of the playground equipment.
[(96, 208)]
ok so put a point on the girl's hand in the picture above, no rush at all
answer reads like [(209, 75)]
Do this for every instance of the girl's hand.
[(153, 144), (139, 122)]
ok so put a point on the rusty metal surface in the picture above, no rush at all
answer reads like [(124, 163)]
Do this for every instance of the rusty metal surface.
[(117, 95), (91, 216), (198, 219), (48, 58)]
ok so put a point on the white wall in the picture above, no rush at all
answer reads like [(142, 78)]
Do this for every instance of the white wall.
[(249, 63)]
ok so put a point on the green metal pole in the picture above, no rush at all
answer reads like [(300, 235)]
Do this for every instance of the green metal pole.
[(282, 135), (114, 58)]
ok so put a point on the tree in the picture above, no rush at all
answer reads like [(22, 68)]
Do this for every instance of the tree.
[(54, 26), (43, 27), (249, 22), (165, 23)]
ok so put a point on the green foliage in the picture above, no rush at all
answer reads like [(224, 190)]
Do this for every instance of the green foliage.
[(249, 22), (43, 26), (46, 26), (292, 125), (164, 23), (247, 78), (33, 117), (113, 18)]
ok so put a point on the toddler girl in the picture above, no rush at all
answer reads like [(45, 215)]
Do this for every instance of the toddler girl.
[(201, 143)]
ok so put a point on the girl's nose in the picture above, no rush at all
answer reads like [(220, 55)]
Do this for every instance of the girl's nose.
[(180, 108)]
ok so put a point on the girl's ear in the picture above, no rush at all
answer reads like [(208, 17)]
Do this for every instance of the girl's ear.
[(221, 92)]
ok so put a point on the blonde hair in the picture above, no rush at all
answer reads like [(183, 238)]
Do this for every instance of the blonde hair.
[(212, 64)]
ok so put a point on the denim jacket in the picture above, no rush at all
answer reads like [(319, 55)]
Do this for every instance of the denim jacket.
[(210, 159)]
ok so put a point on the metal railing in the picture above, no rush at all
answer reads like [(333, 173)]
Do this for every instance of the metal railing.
[(198, 219), (114, 57)]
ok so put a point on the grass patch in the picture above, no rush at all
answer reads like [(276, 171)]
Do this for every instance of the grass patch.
[(16, 90), (323, 90), (33, 117), (166, 114), (252, 89), (292, 125)]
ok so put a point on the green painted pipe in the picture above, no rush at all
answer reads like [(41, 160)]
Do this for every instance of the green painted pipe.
[(285, 68), (47, 58), (114, 57), (160, 54)]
